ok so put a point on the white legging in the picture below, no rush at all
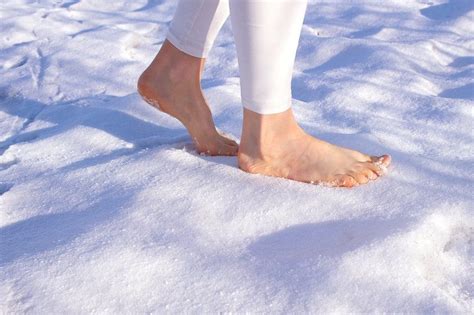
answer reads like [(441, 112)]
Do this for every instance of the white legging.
[(266, 34)]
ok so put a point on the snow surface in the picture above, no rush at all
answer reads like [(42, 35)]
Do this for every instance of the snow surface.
[(106, 208)]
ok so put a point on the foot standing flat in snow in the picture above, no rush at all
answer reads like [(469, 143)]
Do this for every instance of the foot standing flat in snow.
[(272, 142)]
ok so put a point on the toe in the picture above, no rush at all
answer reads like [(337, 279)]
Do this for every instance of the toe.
[(216, 150), (371, 170), (231, 150), (371, 175), (345, 181), (384, 160), (381, 162), (226, 150), (360, 177)]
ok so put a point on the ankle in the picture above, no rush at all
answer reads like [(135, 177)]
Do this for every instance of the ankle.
[(175, 65), (161, 71), (262, 134), (170, 69)]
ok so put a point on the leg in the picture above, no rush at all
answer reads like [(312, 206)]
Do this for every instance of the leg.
[(171, 82), (272, 143)]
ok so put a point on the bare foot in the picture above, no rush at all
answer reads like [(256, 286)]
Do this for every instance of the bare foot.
[(172, 84), (275, 145)]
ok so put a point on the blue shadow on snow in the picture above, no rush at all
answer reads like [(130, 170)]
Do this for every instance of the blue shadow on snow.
[(448, 11)]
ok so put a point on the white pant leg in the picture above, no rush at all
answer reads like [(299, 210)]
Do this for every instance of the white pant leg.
[(266, 35), (196, 24)]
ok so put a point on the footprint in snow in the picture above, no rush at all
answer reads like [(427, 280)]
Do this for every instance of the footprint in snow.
[(5, 187), (7, 160), (15, 62)]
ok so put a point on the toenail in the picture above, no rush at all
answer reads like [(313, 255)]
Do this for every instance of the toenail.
[(381, 166)]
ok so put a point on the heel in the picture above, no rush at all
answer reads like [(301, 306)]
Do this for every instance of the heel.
[(151, 102), (141, 86)]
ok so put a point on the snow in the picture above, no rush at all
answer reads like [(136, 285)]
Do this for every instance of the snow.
[(106, 208)]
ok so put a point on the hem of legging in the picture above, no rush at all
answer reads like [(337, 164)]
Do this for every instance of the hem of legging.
[(267, 108), (188, 47)]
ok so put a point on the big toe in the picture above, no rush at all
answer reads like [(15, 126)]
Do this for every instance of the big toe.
[(219, 148), (381, 162), (384, 160), (225, 149), (231, 150)]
